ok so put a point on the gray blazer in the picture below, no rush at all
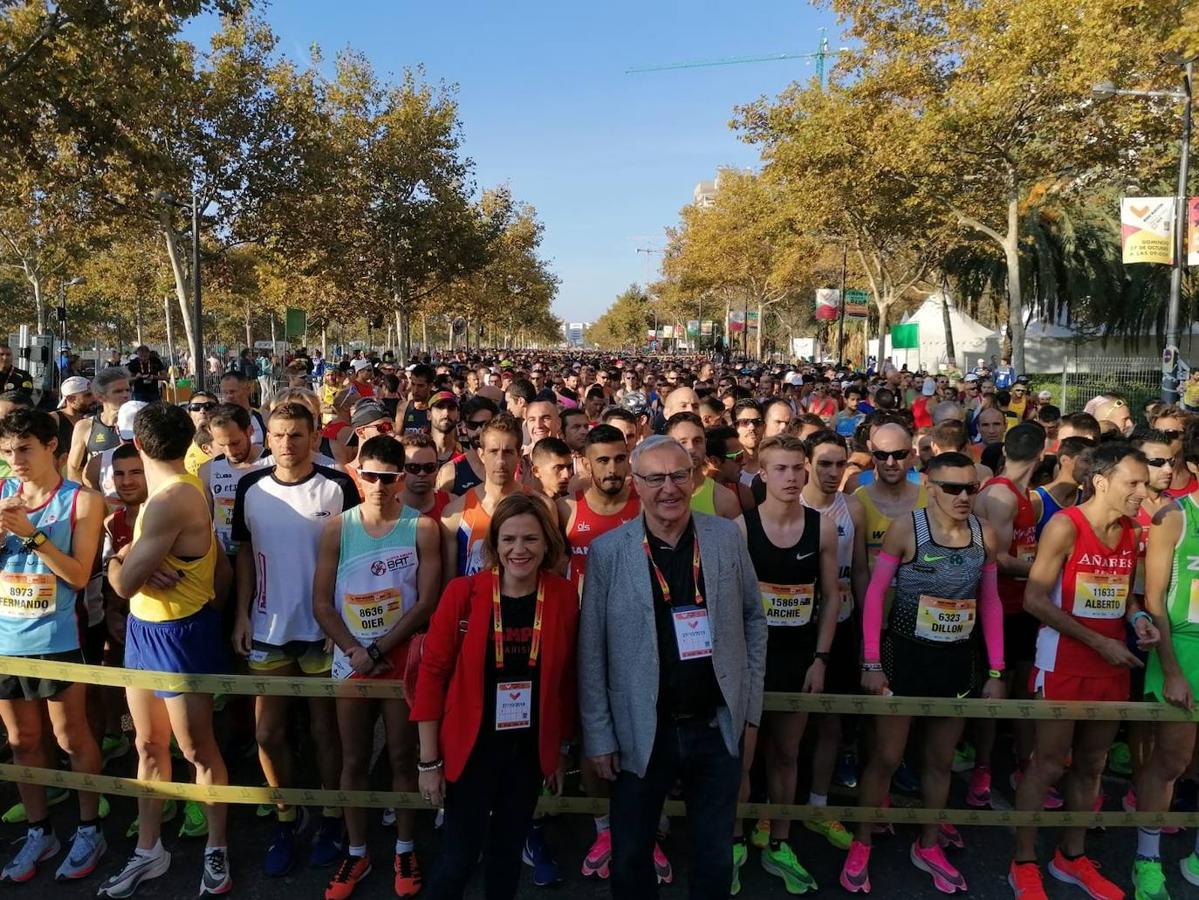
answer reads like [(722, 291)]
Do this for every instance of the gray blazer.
[(618, 645)]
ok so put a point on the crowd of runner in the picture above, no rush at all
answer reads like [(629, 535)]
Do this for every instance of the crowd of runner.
[(575, 560)]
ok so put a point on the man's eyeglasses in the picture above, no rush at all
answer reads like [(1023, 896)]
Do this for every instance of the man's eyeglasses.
[(1158, 461), (1172, 434), (420, 468), (202, 407), (749, 423), (736, 454), (897, 455), (475, 424), (1019, 393), (382, 426), (679, 477), (956, 488), (383, 477)]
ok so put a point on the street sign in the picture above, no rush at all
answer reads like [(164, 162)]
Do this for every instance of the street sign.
[(856, 304)]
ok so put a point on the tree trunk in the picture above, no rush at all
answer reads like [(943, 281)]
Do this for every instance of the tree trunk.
[(39, 301), (249, 331), (424, 333), (166, 307), (884, 312), (400, 335), (137, 320), (948, 323), (1015, 300), (183, 291), (324, 342), (761, 328)]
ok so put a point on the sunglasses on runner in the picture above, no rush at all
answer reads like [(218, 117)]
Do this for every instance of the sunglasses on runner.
[(202, 407), (1158, 461), (736, 454), (382, 426), (1172, 434), (897, 455), (420, 468), (749, 423), (474, 425), (955, 488), (385, 477)]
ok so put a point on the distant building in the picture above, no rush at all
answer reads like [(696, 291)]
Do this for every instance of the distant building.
[(704, 194), (574, 333)]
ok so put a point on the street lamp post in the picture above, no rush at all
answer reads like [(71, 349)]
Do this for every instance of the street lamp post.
[(1170, 361), (62, 325)]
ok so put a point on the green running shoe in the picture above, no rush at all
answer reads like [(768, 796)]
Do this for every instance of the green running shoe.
[(170, 809), (1148, 880), (1190, 868), (16, 813), (265, 809), (964, 756), (760, 836), (831, 830), (195, 820), (114, 746), (1119, 759), (740, 855), (104, 809), (782, 862)]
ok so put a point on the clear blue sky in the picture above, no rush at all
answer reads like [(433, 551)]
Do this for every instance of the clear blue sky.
[(608, 159)]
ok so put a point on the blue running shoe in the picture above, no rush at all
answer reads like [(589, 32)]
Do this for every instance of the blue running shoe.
[(328, 845), (537, 854), (281, 853)]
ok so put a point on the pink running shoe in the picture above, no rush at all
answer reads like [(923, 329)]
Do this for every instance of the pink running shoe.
[(946, 878), (599, 857), (950, 838), (1053, 800), (855, 873), (979, 794), (662, 865)]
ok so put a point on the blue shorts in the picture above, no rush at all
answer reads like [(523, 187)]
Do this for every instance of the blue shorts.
[(194, 645)]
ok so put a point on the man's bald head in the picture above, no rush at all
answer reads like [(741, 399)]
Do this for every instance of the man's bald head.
[(681, 399)]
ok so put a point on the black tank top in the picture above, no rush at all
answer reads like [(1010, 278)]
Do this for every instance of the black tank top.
[(787, 578), (101, 437), (464, 478), (415, 420)]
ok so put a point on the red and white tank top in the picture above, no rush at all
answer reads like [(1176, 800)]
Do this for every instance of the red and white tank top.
[(1023, 545), (586, 526), (1094, 588)]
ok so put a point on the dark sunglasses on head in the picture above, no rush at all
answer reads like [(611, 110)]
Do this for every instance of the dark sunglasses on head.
[(1158, 461), (884, 455), (384, 477), (420, 468), (1172, 434), (209, 406), (955, 488)]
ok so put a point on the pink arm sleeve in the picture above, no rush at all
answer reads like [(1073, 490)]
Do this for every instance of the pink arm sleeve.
[(991, 613), (872, 611)]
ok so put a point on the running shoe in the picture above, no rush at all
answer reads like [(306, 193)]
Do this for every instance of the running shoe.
[(963, 757), (906, 779), (950, 838), (662, 865), (87, 847), (15, 814), (350, 870), (1097, 806), (855, 873), (979, 793), (389, 818), (409, 880), (139, 868), (1119, 759), (946, 878), (37, 846), (114, 746), (599, 857), (1053, 799), (846, 772), (537, 854), (170, 809), (831, 830), (281, 853), (782, 863), (328, 844), (216, 878), (1084, 873), (1025, 882), (1190, 869), (760, 836), (1148, 880), (195, 820), (740, 856), (102, 807)]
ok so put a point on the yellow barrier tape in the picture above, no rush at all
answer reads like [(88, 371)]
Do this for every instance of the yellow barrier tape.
[(132, 787), (260, 685)]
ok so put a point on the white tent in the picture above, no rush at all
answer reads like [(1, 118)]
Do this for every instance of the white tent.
[(971, 338)]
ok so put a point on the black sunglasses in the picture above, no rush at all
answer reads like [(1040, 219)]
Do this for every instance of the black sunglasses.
[(419, 468), (954, 488), (201, 407), (884, 455), (474, 425), (384, 477), (1172, 434), (1158, 461)]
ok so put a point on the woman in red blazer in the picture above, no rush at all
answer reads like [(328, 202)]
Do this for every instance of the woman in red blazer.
[(496, 697)]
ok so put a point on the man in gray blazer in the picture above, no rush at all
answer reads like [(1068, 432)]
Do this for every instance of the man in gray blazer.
[(672, 651)]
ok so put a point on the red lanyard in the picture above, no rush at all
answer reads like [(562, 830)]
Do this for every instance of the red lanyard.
[(498, 618), (699, 598)]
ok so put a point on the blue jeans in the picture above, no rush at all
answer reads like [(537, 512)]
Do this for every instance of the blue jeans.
[(694, 753)]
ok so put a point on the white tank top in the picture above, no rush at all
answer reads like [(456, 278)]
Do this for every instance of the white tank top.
[(839, 511), (223, 478)]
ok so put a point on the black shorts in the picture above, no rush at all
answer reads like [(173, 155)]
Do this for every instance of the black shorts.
[(844, 674), (1020, 638), (789, 655), (94, 639), (919, 669), (19, 687)]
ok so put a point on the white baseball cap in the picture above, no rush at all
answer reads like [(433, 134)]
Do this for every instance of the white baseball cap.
[(125, 416), (359, 364), (1044, 395), (76, 384)]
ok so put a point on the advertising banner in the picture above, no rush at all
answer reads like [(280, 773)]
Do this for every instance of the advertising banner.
[(1147, 230)]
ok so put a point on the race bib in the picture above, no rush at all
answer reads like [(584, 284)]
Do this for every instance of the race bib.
[(372, 615), (1099, 595), (26, 596), (222, 520), (944, 621), (787, 605), (1193, 609), (691, 632), (1026, 552), (513, 705), (845, 609)]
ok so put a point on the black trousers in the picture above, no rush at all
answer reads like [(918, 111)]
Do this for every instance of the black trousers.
[(492, 802), (694, 753)]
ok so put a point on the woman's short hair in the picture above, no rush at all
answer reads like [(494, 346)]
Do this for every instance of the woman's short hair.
[(521, 504)]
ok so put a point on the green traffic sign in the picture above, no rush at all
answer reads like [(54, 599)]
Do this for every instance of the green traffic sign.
[(855, 296)]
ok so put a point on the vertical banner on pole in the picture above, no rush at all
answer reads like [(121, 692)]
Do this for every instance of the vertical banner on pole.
[(1193, 231), (828, 304), (1147, 230)]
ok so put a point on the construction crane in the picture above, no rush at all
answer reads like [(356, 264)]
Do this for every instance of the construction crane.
[(822, 54)]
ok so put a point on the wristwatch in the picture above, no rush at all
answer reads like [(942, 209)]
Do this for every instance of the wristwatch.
[(373, 651), (822, 655), (34, 541)]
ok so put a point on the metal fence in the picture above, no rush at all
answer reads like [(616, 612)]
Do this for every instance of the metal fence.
[(1137, 379)]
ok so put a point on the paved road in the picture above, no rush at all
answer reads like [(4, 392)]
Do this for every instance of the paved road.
[(984, 862)]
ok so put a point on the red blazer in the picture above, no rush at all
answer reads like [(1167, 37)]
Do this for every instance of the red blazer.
[(449, 687)]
